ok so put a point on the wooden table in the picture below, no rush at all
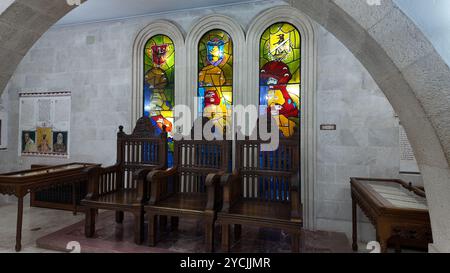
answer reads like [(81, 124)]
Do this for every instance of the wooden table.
[(398, 211), (24, 182)]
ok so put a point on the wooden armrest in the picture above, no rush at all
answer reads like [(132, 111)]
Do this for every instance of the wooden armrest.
[(231, 190), (212, 184), (155, 178), (227, 179), (110, 169), (157, 175), (295, 197), (93, 181), (140, 176), (95, 175), (213, 178), (143, 172)]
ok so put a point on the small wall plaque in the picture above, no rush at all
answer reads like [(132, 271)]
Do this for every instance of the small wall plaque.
[(328, 127)]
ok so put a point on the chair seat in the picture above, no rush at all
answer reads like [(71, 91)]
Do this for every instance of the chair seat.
[(259, 209), (183, 201), (120, 198)]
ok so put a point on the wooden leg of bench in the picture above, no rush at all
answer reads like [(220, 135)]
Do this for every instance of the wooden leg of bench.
[(209, 235), (237, 232), (354, 226), (174, 221), (89, 226), (152, 229), (383, 235), (119, 217), (398, 247), (162, 222), (296, 242), (225, 237), (138, 227)]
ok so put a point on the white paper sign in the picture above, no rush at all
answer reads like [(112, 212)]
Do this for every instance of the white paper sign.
[(44, 124), (408, 163)]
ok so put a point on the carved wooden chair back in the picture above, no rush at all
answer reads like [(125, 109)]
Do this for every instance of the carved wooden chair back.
[(196, 158), (143, 148), (266, 175)]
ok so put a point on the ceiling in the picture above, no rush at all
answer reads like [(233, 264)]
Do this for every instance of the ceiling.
[(100, 10), (432, 16)]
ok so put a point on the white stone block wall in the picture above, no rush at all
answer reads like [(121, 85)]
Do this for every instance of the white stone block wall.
[(366, 142), (93, 61)]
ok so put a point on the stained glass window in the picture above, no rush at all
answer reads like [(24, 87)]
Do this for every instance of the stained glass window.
[(280, 71), (215, 80), (159, 85)]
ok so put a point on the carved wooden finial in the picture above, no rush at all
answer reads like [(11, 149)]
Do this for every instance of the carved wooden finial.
[(144, 127), (121, 128)]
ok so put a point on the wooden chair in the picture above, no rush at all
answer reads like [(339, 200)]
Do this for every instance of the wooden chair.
[(191, 188), (121, 187), (263, 190)]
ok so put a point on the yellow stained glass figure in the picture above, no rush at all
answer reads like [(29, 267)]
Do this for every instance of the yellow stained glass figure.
[(216, 78), (276, 100)]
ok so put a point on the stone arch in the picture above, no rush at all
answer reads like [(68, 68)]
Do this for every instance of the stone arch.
[(399, 57), (308, 90), (173, 32), (409, 71), (22, 23)]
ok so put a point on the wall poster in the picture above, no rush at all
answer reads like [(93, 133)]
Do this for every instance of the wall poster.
[(44, 124), (408, 163)]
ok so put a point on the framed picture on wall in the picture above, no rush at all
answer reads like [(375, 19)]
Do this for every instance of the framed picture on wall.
[(29, 142), (60, 142), (44, 124)]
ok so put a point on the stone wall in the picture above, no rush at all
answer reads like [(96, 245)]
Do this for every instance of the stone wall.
[(93, 61), (366, 142), (22, 22)]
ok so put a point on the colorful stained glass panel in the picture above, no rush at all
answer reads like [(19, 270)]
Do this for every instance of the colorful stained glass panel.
[(280, 75), (215, 77), (159, 84)]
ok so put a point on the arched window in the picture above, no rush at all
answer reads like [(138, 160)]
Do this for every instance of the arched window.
[(215, 77), (159, 84), (280, 75)]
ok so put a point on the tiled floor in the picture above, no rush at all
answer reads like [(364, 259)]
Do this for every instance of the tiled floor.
[(111, 237), (46, 231), (37, 222)]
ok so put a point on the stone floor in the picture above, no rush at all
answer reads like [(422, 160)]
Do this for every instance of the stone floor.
[(111, 237), (37, 222), (47, 231)]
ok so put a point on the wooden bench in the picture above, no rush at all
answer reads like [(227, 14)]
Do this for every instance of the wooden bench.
[(121, 187), (63, 197), (397, 210), (191, 188), (263, 190)]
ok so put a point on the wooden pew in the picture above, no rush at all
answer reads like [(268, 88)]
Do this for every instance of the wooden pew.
[(121, 187), (191, 188), (263, 190)]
